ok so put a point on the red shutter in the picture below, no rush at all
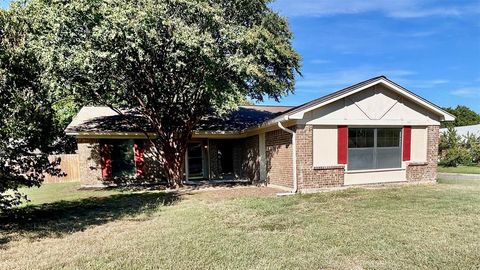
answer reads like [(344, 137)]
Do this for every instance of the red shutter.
[(139, 160), (105, 161), (407, 142), (342, 144)]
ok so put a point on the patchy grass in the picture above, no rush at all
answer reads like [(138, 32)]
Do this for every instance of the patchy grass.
[(49, 193), (411, 227), (460, 169)]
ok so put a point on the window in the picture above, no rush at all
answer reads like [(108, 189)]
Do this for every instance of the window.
[(122, 157), (374, 148)]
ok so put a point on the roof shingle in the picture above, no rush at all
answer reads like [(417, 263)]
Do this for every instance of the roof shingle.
[(104, 119)]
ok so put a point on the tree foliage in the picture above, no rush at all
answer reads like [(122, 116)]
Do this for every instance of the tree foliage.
[(472, 144), (26, 116), (464, 117), (455, 150), (173, 61)]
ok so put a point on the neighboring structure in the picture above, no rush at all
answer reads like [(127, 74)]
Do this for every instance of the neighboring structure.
[(465, 130), (372, 132)]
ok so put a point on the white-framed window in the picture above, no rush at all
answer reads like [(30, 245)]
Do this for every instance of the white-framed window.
[(374, 148)]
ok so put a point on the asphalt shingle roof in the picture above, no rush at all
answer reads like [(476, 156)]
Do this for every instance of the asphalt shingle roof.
[(104, 119)]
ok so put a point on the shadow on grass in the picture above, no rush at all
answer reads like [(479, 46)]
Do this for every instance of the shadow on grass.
[(66, 217)]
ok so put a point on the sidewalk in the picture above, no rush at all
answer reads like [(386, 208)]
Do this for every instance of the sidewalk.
[(458, 176)]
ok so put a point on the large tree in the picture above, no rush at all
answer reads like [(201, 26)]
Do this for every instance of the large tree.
[(26, 114), (173, 61), (464, 116)]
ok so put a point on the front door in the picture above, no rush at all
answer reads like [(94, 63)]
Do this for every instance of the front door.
[(195, 160)]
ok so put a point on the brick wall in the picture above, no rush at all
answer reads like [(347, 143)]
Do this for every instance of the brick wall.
[(152, 167), (308, 176), (279, 161), (90, 172), (278, 147), (89, 162), (418, 172)]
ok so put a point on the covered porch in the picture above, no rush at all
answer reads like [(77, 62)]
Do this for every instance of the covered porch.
[(223, 160)]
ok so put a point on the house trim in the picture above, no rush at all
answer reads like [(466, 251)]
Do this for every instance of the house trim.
[(299, 113)]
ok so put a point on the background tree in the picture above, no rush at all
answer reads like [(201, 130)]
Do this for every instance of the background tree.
[(452, 150), (464, 117), (472, 143), (173, 61), (26, 116)]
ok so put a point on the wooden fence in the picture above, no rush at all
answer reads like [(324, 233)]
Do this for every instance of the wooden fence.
[(69, 165)]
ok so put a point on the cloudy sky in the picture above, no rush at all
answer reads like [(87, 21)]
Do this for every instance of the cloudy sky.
[(431, 47)]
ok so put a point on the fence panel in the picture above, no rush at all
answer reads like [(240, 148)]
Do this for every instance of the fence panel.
[(69, 165)]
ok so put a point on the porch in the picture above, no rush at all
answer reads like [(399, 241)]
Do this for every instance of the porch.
[(223, 161)]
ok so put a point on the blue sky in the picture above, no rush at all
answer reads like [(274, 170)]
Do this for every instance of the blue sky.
[(431, 47)]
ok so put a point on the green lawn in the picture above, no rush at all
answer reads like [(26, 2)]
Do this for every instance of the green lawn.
[(460, 169), (410, 227)]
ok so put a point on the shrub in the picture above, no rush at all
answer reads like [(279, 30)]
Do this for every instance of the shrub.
[(472, 143), (455, 150), (458, 155)]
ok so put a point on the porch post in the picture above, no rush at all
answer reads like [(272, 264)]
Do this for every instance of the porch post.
[(208, 159), (263, 158), (186, 166)]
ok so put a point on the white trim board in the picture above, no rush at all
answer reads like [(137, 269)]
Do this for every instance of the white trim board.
[(445, 116)]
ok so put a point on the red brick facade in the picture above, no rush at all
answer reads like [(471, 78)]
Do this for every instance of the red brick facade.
[(89, 162), (308, 176), (426, 172), (279, 161), (278, 147)]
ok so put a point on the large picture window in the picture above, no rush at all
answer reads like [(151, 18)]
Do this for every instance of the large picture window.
[(374, 148)]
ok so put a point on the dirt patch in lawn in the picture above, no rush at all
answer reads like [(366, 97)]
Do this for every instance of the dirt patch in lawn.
[(228, 193)]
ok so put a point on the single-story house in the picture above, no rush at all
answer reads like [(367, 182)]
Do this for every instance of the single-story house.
[(372, 132)]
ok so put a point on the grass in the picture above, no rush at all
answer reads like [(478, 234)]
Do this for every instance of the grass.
[(410, 227), (49, 193), (460, 169)]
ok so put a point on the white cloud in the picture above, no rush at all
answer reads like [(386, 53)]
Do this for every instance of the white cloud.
[(418, 34), (391, 8), (422, 84), (320, 61), (329, 81), (467, 92), (337, 79)]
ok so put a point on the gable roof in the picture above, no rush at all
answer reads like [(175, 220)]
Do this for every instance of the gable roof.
[(298, 112), (103, 119)]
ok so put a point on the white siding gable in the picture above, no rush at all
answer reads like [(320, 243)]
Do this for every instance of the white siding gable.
[(376, 105)]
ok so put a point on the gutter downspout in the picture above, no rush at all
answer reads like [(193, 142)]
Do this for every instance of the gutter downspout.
[(294, 158)]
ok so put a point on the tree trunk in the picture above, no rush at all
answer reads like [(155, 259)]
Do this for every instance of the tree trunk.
[(172, 158), (174, 173)]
